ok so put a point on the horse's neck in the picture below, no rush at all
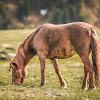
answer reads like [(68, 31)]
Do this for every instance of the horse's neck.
[(26, 52), (28, 58)]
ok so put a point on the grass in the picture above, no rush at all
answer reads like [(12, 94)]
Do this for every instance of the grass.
[(71, 69)]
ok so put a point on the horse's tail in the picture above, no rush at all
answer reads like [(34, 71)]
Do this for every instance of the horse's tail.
[(95, 46)]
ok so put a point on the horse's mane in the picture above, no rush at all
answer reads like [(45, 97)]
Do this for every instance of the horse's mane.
[(30, 36), (23, 43), (20, 57)]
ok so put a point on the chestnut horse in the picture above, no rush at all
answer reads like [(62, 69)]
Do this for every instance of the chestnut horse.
[(59, 41)]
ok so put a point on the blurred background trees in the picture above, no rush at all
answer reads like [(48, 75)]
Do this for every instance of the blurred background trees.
[(30, 13)]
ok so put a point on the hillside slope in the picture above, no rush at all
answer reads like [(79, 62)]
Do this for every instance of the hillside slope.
[(30, 13)]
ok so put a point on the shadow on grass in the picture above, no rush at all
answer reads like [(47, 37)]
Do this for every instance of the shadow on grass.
[(3, 84), (79, 79), (4, 56), (10, 48)]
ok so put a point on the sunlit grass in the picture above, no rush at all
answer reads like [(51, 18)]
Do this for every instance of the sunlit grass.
[(71, 69)]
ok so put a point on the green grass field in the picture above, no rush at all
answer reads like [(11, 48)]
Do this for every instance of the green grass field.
[(71, 69)]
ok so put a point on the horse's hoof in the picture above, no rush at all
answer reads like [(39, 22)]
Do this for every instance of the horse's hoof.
[(41, 85), (63, 87), (84, 88), (89, 89)]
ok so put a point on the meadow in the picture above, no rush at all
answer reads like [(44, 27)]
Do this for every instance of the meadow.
[(71, 69)]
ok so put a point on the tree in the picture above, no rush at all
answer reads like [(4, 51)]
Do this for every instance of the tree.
[(56, 16), (5, 21), (20, 10), (27, 8)]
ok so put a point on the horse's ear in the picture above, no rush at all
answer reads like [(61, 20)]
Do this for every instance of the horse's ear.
[(15, 65), (10, 66)]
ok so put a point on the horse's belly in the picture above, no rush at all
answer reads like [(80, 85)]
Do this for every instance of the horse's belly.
[(61, 53)]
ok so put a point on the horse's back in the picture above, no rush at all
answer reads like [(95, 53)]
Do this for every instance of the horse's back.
[(63, 41)]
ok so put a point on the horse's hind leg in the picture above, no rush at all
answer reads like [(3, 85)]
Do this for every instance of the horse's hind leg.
[(84, 85), (89, 68), (57, 69)]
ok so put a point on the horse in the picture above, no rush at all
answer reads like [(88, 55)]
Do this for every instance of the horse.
[(55, 42)]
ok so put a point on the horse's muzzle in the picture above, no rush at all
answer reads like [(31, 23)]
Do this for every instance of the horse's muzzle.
[(16, 83)]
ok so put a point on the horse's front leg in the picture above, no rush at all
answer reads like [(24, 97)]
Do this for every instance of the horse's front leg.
[(42, 66), (57, 69)]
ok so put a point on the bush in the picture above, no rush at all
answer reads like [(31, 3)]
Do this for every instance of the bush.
[(5, 20)]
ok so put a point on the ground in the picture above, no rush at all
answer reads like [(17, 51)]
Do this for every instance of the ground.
[(71, 69)]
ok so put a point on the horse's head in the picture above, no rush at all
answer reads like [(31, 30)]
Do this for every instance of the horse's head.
[(18, 65), (18, 73)]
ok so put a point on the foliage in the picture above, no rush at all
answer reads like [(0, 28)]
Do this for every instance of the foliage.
[(59, 11), (70, 11), (5, 20)]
